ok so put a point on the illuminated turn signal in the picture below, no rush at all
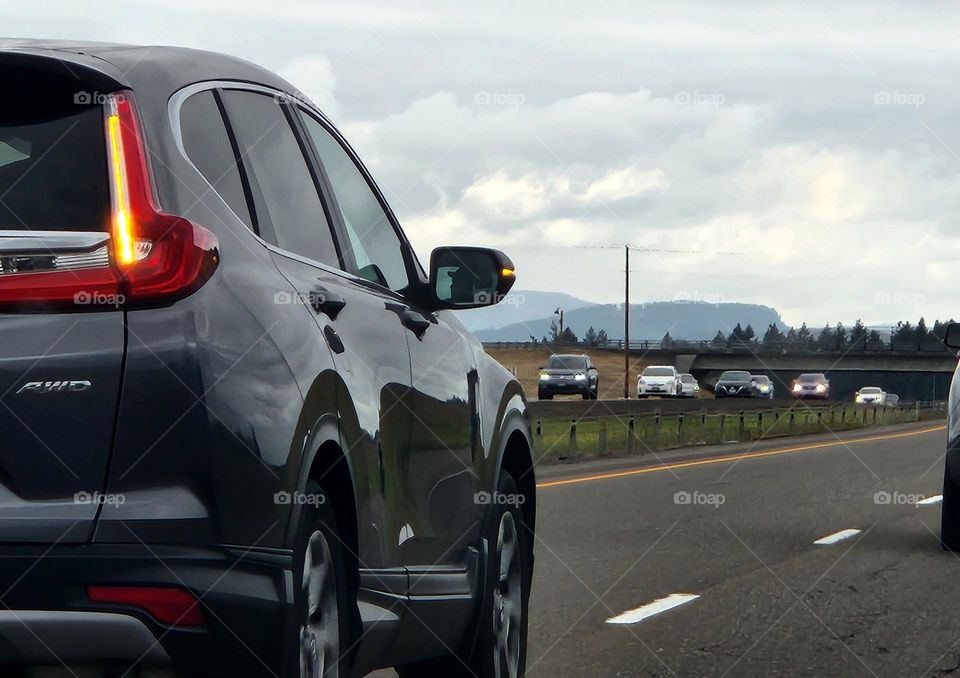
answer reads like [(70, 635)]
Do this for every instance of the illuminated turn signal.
[(506, 273), (122, 222)]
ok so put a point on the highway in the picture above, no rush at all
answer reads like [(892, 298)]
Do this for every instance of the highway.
[(712, 555)]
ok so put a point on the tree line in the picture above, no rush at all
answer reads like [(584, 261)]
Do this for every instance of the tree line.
[(904, 335)]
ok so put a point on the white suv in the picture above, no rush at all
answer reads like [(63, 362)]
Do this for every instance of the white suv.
[(661, 380)]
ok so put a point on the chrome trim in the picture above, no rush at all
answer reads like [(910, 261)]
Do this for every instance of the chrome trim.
[(51, 242)]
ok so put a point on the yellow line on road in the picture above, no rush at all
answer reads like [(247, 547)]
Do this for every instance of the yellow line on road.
[(734, 457)]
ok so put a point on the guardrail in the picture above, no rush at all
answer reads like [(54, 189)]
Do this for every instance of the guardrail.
[(597, 433)]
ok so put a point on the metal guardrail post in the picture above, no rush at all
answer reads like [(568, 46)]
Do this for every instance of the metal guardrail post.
[(573, 436), (741, 426), (792, 421), (631, 426), (602, 436), (539, 429)]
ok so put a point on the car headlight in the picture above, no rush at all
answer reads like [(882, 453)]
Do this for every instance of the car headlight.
[(764, 389), (797, 387), (821, 388), (579, 377), (859, 399), (544, 376), (640, 381)]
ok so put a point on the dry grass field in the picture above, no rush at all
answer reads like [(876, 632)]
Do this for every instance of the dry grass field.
[(525, 363)]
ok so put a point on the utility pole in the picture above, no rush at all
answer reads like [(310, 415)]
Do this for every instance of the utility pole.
[(626, 322)]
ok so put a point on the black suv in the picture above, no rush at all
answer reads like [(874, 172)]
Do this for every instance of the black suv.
[(570, 374), (243, 432)]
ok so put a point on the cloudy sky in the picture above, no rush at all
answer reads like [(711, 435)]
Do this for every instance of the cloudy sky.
[(801, 155)]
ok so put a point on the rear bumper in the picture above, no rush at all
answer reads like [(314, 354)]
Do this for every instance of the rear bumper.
[(48, 620)]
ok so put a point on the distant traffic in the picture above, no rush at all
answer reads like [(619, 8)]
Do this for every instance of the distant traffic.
[(576, 374)]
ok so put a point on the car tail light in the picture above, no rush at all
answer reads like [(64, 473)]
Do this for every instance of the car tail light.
[(149, 256), (170, 606), (159, 257)]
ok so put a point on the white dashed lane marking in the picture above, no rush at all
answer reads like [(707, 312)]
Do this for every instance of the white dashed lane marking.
[(650, 609), (837, 536)]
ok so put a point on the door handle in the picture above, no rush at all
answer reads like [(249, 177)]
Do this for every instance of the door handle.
[(415, 322), (323, 300)]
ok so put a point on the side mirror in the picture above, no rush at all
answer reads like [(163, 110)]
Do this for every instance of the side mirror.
[(952, 335), (470, 277)]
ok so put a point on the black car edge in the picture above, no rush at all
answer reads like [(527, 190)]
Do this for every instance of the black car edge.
[(569, 375), (244, 432)]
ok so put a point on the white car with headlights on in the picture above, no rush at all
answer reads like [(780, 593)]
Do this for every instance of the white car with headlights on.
[(660, 380), (871, 395), (689, 387)]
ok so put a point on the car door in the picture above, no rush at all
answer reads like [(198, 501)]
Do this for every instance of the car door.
[(435, 478), (366, 338)]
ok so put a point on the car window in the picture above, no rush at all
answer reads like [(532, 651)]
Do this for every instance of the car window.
[(658, 372), (373, 243), (53, 164), (286, 199), (208, 146), (735, 376), (566, 362)]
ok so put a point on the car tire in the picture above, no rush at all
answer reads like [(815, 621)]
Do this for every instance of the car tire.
[(950, 512), (505, 527), (321, 614), (544, 396)]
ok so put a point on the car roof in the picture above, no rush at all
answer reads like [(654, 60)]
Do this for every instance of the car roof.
[(128, 64)]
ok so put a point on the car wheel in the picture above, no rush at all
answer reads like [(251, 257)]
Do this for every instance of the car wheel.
[(596, 391), (544, 396), (320, 600), (500, 646), (950, 512)]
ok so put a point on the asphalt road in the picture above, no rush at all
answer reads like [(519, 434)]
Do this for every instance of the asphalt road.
[(771, 601)]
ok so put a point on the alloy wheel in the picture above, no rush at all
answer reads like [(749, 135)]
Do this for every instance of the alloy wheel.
[(320, 623)]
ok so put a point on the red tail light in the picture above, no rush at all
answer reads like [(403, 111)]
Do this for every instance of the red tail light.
[(150, 257), (170, 606)]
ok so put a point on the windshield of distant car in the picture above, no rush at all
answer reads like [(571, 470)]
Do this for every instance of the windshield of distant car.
[(761, 379), (567, 362), (658, 372), (871, 390), (687, 379), (811, 378), (735, 376)]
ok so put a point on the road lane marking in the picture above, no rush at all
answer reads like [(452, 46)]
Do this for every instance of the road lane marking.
[(935, 499), (650, 609), (734, 457), (838, 536)]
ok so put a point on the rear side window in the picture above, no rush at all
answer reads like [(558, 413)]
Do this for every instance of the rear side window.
[(53, 168), (207, 145), (285, 196)]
